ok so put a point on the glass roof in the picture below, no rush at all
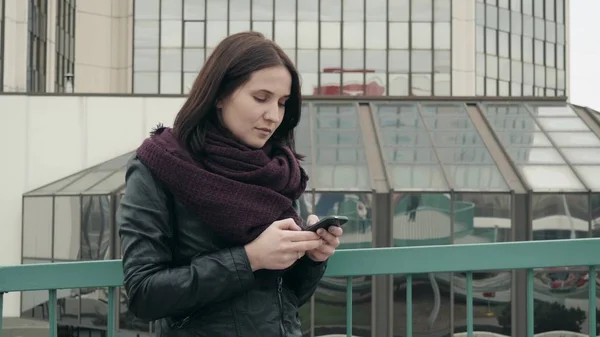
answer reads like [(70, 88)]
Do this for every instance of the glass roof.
[(423, 146), (105, 178), (552, 147)]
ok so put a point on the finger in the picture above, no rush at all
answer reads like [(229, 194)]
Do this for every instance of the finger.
[(287, 224), (303, 246), (312, 219), (302, 236), (325, 235), (294, 255), (336, 230), (326, 250)]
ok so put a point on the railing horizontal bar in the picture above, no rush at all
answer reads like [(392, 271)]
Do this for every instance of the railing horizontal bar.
[(345, 263), (468, 257), (63, 275)]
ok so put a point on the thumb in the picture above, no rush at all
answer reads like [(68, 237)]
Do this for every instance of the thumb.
[(312, 219), (287, 224)]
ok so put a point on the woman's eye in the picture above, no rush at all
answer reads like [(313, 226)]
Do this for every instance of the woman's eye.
[(259, 99)]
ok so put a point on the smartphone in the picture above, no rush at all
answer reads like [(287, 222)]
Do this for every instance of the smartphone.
[(328, 221)]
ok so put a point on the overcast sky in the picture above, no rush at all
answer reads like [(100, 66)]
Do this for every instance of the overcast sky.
[(585, 53)]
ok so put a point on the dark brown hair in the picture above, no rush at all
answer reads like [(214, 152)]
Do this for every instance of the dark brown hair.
[(230, 66)]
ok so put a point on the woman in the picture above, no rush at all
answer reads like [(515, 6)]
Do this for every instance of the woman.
[(212, 244)]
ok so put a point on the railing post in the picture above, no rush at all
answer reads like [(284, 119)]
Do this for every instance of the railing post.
[(349, 307), (469, 304), (1, 311), (111, 315), (530, 304), (521, 231), (382, 285), (592, 301), (409, 308), (52, 319)]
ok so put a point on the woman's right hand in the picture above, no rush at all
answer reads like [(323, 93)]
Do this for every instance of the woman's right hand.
[(280, 245)]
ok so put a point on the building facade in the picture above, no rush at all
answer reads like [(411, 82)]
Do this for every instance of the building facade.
[(349, 47)]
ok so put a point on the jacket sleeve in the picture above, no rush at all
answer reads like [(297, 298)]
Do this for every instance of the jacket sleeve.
[(304, 276), (156, 288)]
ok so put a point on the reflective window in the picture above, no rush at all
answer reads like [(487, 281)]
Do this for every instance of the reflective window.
[(65, 46), (340, 47), (37, 27), (521, 30), (2, 5)]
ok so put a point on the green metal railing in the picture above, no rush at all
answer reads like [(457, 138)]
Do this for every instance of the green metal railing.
[(348, 263)]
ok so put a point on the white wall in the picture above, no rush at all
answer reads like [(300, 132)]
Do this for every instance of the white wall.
[(15, 45), (49, 137)]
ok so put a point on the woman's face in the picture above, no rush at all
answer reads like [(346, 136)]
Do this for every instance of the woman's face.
[(255, 110)]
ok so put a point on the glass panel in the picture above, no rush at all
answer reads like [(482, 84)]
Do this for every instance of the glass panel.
[(533, 155), (476, 177), (552, 111), (509, 118), (425, 177), (464, 155), (591, 178), (330, 296), (339, 149), (37, 227), (574, 139), (547, 178), (67, 228), (110, 184), (595, 205), (406, 143), (96, 213), (517, 129), (421, 219), (85, 182), (56, 186), (582, 156), (302, 139), (562, 124), (483, 218), (555, 217), (410, 155), (529, 139)]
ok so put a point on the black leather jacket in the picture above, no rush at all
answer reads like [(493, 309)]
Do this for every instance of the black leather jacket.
[(177, 271)]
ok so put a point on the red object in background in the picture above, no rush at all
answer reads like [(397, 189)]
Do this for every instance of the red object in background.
[(372, 88), (489, 294)]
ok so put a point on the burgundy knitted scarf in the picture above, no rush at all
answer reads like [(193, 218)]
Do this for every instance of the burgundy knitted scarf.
[(236, 190)]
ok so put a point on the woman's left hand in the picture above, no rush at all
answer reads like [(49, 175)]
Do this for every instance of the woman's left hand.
[(330, 241)]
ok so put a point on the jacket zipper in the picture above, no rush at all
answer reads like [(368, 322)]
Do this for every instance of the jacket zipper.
[(181, 323), (279, 291)]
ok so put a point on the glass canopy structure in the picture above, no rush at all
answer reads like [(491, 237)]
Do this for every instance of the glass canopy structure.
[(406, 173)]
